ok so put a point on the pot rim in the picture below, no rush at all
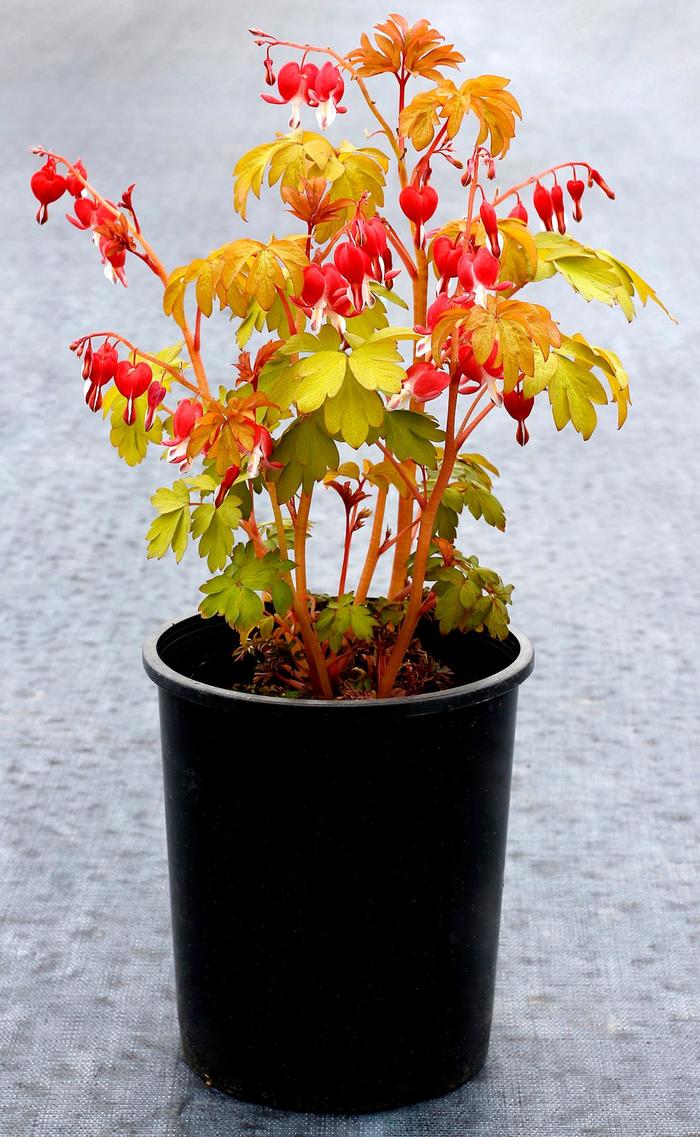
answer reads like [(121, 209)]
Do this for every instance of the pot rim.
[(478, 691)]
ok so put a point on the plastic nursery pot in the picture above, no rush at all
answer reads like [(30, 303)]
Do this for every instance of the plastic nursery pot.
[(336, 871)]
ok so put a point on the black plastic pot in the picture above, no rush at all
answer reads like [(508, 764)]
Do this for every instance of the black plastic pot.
[(336, 873)]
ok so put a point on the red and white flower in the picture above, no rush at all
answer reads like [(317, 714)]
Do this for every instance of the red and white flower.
[(132, 380), (260, 454), (98, 368), (326, 293), (424, 381), (325, 93), (186, 414), (293, 84)]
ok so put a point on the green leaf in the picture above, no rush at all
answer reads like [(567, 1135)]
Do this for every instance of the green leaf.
[(234, 594), (307, 453), (320, 377), (353, 412), (410, 437), (377, 364), (343, 617), (470, 487), (573, 388), (595, 273), (170, 529), (387, 294), (472, 598), (213, 528), (130, 440)]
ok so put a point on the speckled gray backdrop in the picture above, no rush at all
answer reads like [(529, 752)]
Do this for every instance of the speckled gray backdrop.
[(595, 1027)]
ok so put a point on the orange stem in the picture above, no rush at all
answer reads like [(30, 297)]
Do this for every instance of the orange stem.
[(425, 534), (373, 549)]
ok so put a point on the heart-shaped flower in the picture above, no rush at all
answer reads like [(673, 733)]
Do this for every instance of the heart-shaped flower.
[(131, 380), (47, 187)]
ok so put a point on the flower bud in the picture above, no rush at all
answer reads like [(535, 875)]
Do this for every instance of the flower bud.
[(490, 223), (155, 395), (557, 195), (519, 211), (542, 201), (270, 77), (594, 176), (465, 272), (446, 255), (73, 183)]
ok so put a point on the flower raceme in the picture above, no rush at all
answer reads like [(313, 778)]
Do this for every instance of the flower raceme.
[(341, 290)]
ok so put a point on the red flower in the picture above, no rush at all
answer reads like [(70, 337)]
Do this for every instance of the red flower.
[(47, 187), (490, 223), (325, 292), (89, 214), (595, 176), (113, 254), (418, 205), (576, 188), (186, 414), (424, 381), (446, 255), (472, 371), (73, 183), (325, 92), (370, 236), (557, 195), (155, 396), (354, 264), (260, 454), (519, 211), (478, 273), (226, 483), (98, 368), (131, 380), (519, 408), (293, 83), (542, 200)]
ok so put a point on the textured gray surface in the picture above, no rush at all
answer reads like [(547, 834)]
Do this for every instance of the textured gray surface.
[(596, 1021)]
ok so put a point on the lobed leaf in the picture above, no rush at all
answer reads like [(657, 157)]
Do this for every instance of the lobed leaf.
[(171, 528)]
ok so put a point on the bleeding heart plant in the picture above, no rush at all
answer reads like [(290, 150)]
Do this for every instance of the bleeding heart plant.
[(331, 368)]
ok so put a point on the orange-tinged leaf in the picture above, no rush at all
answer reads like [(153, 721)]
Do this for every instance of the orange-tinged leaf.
[(485, 97), (512, 327), (420, 119), (227, 428), (496, 110), (418, 49)]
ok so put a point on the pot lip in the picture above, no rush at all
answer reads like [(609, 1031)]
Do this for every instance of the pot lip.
[(478, 691)]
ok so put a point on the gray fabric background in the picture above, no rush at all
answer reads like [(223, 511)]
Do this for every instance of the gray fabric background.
[(596, 1018)]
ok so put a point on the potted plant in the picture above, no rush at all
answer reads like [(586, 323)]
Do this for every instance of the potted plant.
[(337, 767)]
